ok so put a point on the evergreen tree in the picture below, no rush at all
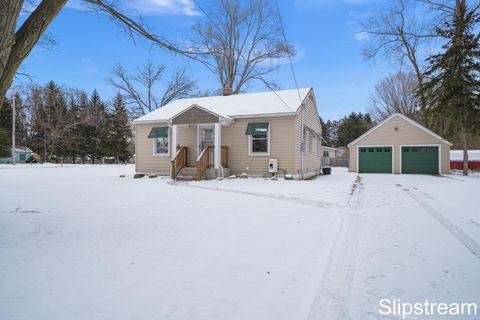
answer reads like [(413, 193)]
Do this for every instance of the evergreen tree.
[(52, 119), (4, 144), (454, 84), (94, 129), (119, 130), (351, 127), (6, 118), (82, 130), (329, 132), (5, 128)]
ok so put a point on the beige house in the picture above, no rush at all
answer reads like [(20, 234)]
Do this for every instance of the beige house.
[(400, 145), (256, 133)]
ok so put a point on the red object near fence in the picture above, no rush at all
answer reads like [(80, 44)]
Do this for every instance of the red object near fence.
[(456, 160), (458, 165)]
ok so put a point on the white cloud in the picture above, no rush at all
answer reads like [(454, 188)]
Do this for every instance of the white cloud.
[(164, 7), (360, 36), (150, 7), (86, 60), (305, 4)]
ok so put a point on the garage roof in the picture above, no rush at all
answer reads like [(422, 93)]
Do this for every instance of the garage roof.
[(418, 125)]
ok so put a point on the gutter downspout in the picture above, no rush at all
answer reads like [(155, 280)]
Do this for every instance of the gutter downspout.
[(221, 169), (302, 149)]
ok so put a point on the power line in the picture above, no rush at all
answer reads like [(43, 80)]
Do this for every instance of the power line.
[(302, 109), (288, 51), (241, 55)]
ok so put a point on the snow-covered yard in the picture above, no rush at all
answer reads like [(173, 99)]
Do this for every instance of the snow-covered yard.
[(79, 242)]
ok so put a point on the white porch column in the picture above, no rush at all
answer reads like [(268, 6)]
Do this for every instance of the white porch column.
[(173, 148), (218, 144)]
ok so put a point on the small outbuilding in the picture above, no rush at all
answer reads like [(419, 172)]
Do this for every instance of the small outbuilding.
[(22, 154), (400, 145)]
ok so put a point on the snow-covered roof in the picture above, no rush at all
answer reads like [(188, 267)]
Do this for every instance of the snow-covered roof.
[(457, 155), (329, 148), (404, 117), (233, 106), (23, 149)]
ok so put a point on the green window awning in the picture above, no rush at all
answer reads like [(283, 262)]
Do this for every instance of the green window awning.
[(257, 128), (159, 132)]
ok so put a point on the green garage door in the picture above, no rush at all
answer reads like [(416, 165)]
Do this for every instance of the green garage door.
[(375, 160), (420, 160)]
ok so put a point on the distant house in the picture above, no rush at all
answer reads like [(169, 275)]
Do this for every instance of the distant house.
[(400, 145), (329, 152), (256, 133), (334, 157), (21, 155), (456, 159)]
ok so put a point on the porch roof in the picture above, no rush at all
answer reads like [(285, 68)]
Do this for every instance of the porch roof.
[(283, 102)]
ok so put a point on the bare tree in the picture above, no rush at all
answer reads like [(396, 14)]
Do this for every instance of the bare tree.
[(144, 91), (397, 93), (51, 118), (16, 45), (243, 40), (397, 36)]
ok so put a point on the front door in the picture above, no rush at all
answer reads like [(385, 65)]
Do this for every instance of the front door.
[(206, 134)]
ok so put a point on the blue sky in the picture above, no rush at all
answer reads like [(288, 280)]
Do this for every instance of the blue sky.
[(324, 32)]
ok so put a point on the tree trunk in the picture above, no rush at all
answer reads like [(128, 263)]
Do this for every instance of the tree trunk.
[(9, 12), (465, 153), (16, 47)]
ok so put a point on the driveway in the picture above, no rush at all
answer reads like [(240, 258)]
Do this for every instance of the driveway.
[(411, 237)]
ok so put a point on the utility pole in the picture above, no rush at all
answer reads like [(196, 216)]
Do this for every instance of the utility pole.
[(13, 128), (44, 145)]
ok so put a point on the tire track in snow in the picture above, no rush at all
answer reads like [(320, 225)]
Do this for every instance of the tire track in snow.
[(457, 232), (329, 290), (308, 202), (333, 247)]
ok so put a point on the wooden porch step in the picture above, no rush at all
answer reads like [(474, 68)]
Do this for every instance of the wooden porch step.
[(187, 174), (186, 178)]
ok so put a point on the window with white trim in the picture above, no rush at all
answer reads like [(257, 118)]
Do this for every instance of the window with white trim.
[(259, 143), (161, 145), (304, 141), (310, 142)]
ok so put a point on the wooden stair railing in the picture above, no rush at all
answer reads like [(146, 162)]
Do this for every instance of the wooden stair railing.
[(203, 161), (206, 160), (179, 161)]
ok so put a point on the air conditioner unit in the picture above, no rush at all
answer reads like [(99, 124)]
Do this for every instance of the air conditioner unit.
[(273, 165)]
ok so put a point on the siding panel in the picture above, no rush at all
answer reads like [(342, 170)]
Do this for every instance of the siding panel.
[(282, 144), (311, 160), (145, 160), (195, 115), (187, 136)]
